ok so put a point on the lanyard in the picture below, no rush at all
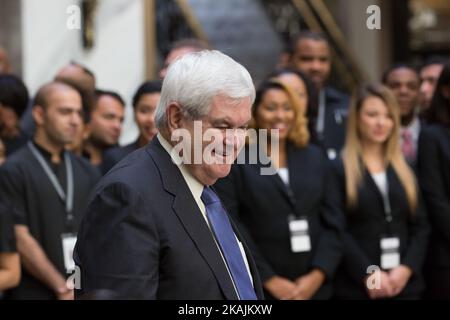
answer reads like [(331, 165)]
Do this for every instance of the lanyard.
[(320, 126), (387, 208), (67, 199)]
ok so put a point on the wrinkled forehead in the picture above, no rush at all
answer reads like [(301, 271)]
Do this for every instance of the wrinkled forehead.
[(235, 111)]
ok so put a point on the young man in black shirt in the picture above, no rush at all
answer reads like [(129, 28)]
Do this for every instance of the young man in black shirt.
[(47, 187)]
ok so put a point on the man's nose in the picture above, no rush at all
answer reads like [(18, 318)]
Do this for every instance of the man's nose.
[(316, 65), (424, 87), (75, 119), (117, 125)]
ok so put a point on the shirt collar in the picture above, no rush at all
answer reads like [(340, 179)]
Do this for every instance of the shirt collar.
[(46, 154), (194, 185)]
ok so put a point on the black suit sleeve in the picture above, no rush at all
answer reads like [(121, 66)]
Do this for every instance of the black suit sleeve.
[(355, 260), (432, 183), (228, 190), (118, 245), (329, 248), (418, 239)]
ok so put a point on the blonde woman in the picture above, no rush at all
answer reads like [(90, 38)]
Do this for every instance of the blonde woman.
[(287, 218), (386, 231)]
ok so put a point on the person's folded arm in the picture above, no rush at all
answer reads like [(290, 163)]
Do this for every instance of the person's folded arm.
[(328, 253), (431, 181), (9, 270)]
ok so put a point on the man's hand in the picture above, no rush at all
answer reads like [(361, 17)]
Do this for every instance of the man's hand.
[(399, 277), (385, 289), (64, 293), (308, 284), (281, 288)]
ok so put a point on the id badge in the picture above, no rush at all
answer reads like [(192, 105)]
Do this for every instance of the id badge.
[(332, 154), (390, 252), (300, 240), (68, 245)]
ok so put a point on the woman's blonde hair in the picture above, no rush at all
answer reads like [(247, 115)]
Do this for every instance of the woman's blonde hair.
[(352, 152), (299, 134)]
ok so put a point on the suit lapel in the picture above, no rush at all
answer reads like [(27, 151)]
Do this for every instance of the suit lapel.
[(282, 187), (298, 174), (191, 218), (373, 186)]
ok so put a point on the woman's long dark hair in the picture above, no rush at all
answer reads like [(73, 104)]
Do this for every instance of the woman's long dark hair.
[(439, 111)]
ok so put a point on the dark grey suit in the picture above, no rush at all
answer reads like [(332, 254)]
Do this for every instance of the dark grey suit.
[(144, 236)]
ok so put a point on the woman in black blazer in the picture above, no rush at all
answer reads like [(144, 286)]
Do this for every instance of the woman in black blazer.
[(272, 210), (386, 231), (434, 178)]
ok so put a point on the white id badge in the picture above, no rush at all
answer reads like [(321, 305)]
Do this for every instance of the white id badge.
[(300, 241), (68, 245), (390, 252)]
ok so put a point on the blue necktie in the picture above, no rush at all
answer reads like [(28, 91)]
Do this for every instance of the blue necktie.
[(223, 231)]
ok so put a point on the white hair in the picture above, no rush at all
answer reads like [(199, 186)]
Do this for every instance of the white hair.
[(196, 78)]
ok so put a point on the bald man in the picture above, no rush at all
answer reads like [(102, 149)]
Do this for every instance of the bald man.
[(48, 187), (75, 75)]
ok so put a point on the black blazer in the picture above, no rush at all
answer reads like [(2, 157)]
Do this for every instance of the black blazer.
[(115, 154), (335, 122), (366, 225), (261, 204), (434, 176), (144, 237)]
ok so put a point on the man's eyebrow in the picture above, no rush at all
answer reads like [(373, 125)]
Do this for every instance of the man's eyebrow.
[(226, 120), (69, 108)]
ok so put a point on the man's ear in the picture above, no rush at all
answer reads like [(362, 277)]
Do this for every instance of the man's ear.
[(38, 115), (174, 116)]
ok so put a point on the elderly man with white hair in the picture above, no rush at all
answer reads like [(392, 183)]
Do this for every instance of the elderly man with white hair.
[(154, 228)]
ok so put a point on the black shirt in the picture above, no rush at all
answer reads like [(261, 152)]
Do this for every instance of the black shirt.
[(36, 204), (7, 238)]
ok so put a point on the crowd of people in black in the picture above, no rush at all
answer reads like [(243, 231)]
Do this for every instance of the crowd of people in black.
[(359, 207)]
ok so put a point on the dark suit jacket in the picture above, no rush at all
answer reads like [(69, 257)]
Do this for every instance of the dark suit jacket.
[(336, 111), (114, 155), (144, 237), (261, 205), (366, 225), (434, 176)]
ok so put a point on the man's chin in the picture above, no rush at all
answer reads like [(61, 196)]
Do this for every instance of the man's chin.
[(222, 170)]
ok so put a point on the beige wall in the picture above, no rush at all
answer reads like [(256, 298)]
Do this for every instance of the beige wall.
[(10, 32), (371, 48), (117, 58)]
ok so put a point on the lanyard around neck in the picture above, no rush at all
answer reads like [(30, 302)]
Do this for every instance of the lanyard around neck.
[(67, 199)]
